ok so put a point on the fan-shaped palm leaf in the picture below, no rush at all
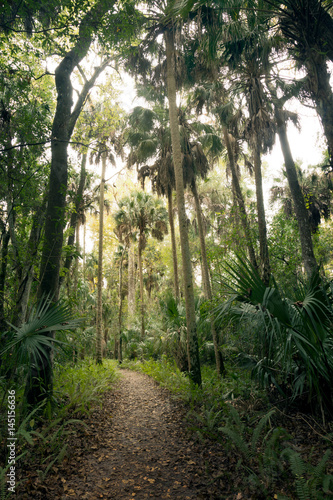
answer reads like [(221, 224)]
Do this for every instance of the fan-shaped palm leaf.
[(30, 341)]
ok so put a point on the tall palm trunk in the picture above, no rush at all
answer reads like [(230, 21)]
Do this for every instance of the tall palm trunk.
[(142, 305), (264, 256), (173, 245), (239, 196), (192, 338), (308, 257), (131, 283), (120, 313), (206, 278), (99, 319)]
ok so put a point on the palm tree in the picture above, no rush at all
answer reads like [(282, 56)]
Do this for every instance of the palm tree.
[(147, 216), (119, 257), (161, 14), (149, 136), (99, 320), (193, 351), (126, 232)]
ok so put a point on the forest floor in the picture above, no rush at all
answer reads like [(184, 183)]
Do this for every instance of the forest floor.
[(137, 446)]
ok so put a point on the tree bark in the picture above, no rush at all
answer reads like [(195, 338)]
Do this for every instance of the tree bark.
[(99, 319), (120, 314), (308, 257), (239, 197), (264, 256), (206, 276), (173, 245), (192, 337), (142, 305), (131, 283)]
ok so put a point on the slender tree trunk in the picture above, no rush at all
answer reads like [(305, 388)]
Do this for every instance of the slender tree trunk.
[(206, 277), (99, 322), (84, 249), (308, 256), (239, 196), (142, 305), (76, 213), (173, 245), (264, 256), (120, 314), (192, 337), (131, 283)]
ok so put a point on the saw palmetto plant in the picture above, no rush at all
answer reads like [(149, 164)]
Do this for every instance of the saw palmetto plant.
[(294, 333)]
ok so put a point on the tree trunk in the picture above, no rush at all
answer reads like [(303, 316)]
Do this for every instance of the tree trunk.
[(131, 283), (120, 314), (192, 337), (308, 256), (206, 276), (76, 214), (142, 306), (173, 245), (264, 256), (239, 197), (99, 322)]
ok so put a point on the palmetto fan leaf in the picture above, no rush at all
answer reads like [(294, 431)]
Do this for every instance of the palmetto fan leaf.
[(30, 341)]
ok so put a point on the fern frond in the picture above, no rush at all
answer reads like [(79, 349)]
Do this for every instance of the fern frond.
[(237, 440), (257, 431)]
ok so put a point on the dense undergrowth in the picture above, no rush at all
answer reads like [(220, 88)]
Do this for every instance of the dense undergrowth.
[(43, 434), (270, 457)]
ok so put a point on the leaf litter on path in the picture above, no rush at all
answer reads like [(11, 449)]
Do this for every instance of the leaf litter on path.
[(135, 447)]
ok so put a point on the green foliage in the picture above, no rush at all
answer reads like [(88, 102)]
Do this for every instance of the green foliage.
[(165, 373), (311, 482), (263, 458), (30, 343), (78, 387), (236, 430), (294, 333)]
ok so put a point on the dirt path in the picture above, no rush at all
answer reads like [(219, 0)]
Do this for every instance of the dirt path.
[(138, 448)]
